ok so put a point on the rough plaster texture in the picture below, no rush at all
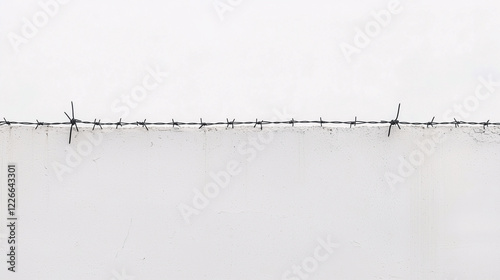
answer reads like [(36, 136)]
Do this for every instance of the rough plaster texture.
[(116, 214)]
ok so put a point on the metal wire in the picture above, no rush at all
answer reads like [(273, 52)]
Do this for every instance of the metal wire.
[(73, 122)]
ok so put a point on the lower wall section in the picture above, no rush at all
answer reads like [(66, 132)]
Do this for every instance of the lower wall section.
[(281, 203)]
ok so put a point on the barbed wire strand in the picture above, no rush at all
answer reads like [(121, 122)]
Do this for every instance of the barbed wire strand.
[(73, 123)]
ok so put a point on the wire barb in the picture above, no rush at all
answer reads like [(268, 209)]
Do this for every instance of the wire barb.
[(354, 122), (230, 123), (431, 123), (6, 121), (485, 124), (119, 123), (175, 124), (258, 123), (143, 124), (38, 123), (97, 123), (394, 121), (72, 121), (202, 124)]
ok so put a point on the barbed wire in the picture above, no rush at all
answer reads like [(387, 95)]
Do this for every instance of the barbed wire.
[(73, 122)]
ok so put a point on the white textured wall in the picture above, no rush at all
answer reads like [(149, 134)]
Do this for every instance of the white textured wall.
[(293, 190)]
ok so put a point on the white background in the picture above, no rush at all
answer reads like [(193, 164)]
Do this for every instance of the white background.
[(245, 62)]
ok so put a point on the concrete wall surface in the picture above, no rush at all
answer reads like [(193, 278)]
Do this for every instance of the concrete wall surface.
[(244, 203)]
